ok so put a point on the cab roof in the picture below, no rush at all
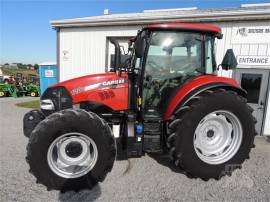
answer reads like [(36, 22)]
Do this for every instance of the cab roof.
[(186, 26)]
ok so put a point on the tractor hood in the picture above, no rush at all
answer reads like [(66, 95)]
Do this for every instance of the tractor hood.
[(89, 82), (108, 89)]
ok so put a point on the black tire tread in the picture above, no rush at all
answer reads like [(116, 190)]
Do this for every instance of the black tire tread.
[(179, 116), (61, 117)]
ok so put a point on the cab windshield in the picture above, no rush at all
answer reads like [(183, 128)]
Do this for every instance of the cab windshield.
[(171, 54)]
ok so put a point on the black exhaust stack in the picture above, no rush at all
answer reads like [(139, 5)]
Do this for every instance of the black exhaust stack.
[(117, 54)]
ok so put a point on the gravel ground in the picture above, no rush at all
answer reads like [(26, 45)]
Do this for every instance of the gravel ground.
[(148, 178)]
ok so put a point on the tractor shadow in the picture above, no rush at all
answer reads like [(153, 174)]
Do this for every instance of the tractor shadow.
[(164, 159), (83, 195)]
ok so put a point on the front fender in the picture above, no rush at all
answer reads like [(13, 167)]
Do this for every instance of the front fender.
[(198, 85)]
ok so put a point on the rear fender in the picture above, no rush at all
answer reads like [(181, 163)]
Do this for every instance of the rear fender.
[(197, 86)]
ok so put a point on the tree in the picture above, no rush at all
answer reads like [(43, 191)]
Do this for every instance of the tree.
[(21, 66), (36, 66)]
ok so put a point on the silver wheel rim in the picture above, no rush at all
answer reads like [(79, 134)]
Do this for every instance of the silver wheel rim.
[(218, 137), (72, 155)]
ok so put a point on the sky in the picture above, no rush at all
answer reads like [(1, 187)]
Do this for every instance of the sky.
[(27, 37)]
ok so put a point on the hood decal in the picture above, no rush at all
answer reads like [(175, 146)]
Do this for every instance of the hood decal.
[(92, 86), (96, 85)]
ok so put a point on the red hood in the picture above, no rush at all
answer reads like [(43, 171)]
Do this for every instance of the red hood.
[(109, 89), (83, 80)]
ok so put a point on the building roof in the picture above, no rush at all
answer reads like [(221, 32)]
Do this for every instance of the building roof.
[(244, 13)]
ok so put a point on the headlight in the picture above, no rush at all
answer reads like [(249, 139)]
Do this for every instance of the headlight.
[(47, 104), (55, 99)]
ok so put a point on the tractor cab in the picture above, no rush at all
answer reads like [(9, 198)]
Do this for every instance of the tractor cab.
[(166, 56)]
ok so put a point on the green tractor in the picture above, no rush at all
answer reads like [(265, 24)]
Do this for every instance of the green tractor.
[(7, 90), (19, 86), (28, 86), (4, 89), (9, 87), (32, 89)]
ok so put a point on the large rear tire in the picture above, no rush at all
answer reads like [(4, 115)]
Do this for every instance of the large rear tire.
[(212, 135), (71, 150)]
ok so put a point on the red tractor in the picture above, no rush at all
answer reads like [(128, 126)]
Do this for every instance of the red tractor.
[(164, 98)]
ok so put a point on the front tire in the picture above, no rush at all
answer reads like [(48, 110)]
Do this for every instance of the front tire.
[(2, 94), (212, 135), (34, 94), (71, 150)]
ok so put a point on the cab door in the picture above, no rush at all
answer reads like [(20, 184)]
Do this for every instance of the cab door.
[(172, 59), (255, 82)]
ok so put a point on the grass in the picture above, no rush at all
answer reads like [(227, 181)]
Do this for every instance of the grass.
[(30, 104), (25, 72)]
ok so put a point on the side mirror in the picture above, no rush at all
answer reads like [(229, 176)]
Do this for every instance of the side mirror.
[(139, 47), (229, 61)]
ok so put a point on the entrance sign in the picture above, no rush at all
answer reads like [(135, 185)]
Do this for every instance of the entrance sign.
[(253, 60)]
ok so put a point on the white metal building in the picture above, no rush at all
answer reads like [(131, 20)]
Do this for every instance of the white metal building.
[(83, 45)]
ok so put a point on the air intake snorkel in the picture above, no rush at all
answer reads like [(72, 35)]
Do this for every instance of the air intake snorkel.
[(117, 54)]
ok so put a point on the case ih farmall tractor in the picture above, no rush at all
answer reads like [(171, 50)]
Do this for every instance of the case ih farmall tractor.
[(166, 98)]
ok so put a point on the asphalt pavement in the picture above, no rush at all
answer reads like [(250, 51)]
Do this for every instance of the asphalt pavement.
[(150, 178)]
